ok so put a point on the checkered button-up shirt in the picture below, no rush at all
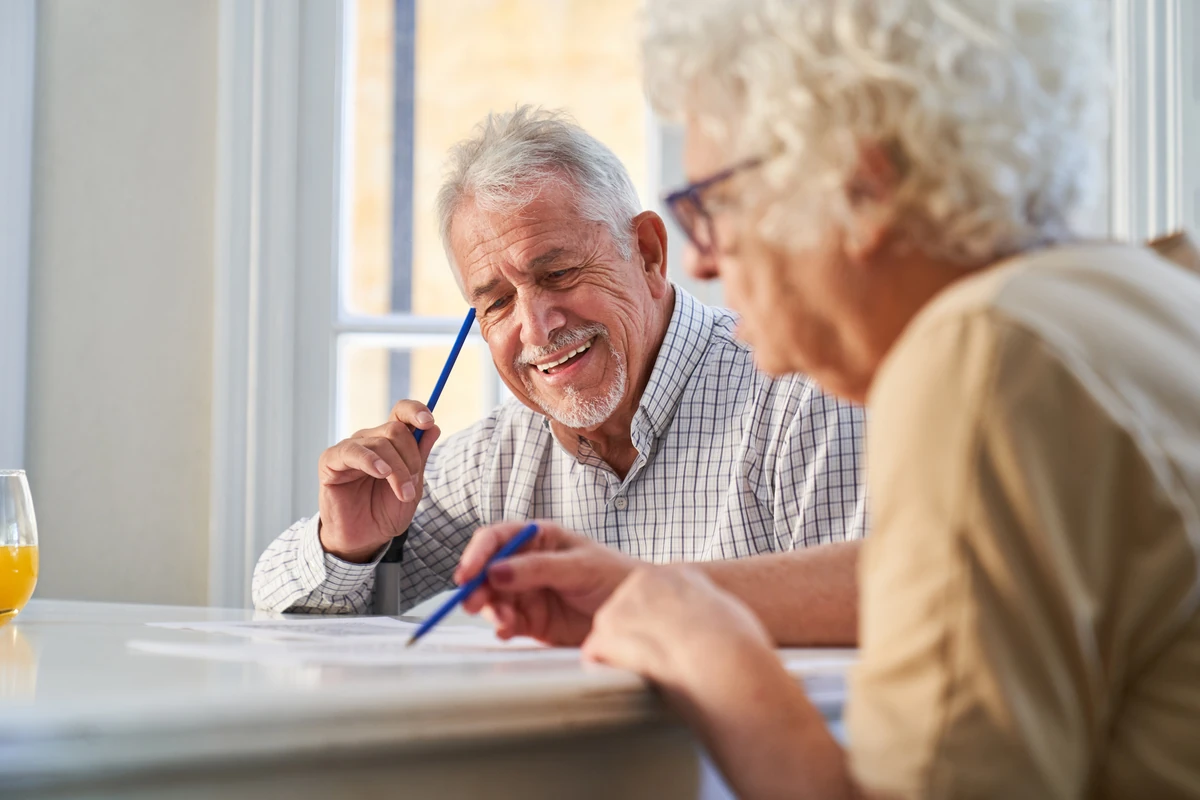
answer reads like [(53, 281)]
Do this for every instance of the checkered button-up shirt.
[(730, 464)]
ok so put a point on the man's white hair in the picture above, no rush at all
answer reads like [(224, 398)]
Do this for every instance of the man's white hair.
[(992, 111), (510, 157)]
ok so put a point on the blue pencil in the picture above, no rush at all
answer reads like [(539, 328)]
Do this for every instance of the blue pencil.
[(441, 381), (514, 544)]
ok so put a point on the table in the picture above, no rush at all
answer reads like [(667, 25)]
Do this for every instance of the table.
[(84, 716)]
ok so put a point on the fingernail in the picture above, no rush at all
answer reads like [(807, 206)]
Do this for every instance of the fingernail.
[(424, 418), (500, 574), (383, 467), (415, 480), (407, 492)]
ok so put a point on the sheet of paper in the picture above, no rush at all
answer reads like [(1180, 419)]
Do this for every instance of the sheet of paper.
[(347, 641), (312, 629), (340, 630), (358, 652), (381, 641)]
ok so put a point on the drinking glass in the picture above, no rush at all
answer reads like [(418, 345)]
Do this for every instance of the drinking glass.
[(18, 544)]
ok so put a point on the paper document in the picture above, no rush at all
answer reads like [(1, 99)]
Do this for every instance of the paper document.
[(356, 653), (373, 641), (339, 629), (381, 641)]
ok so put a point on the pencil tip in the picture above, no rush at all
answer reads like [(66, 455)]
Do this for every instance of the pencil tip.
[(411, 642)]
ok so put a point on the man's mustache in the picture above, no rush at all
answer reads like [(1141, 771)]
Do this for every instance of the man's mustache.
[(561, 341)]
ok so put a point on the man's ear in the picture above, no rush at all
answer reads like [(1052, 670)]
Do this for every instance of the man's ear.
[(871, 193), (650, 239)]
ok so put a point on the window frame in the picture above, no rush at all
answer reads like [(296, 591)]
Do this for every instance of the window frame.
[(276, 233), (1154, 181)]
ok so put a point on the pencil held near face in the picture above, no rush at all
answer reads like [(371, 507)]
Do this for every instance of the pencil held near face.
[(371, 483), (453, 357)]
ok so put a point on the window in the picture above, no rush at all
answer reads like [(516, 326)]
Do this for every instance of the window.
[(422, 74)]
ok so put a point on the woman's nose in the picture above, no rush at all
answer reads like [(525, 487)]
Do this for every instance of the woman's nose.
[(701, 266)]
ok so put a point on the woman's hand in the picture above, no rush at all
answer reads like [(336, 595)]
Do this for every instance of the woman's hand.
[(715, 664), (549, 590), (670, 624)]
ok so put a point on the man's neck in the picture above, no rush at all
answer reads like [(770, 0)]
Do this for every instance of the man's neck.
[(611, 442)]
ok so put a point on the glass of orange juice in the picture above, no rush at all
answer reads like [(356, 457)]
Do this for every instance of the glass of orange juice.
[(18, 544)]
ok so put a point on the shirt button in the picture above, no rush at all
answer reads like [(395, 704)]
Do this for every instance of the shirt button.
[(620, 503)]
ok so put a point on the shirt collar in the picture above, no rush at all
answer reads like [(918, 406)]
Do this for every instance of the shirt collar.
[(683, 348)]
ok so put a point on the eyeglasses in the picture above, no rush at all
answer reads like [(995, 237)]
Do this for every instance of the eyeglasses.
[(687, 207)]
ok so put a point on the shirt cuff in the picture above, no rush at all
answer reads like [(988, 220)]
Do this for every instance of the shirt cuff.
[(326, 569)]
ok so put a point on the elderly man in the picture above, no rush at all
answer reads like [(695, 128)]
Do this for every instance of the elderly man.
[(638, 419), (886, 191)]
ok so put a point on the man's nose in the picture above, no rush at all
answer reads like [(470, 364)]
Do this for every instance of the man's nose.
[(540, 320)]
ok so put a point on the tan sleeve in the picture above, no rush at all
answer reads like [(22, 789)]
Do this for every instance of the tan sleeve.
[(976, 677)]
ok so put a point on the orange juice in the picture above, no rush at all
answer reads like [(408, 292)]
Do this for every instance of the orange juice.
[(18, 576)]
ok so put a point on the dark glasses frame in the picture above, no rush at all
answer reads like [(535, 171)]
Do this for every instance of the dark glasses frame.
[(686, 207)]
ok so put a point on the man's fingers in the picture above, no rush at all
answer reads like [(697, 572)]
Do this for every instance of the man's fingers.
[(375, 458), (412, 413), (402, 440), (428, 440), (401, 476), (395, 444), (350, 460)]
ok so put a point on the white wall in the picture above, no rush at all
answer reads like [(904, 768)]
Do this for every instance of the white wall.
[(18, 28), (120, 362)]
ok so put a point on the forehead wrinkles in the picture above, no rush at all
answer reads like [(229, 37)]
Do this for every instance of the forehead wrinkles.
[(508, 244), (508, 241)]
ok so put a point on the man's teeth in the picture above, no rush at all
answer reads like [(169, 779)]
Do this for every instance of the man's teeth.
[(583, 348)]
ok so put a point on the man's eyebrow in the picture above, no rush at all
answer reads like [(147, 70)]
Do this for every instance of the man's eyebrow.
[(485, 289), (546, 259)]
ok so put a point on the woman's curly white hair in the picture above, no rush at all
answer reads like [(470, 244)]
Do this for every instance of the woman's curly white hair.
[(993, 110)]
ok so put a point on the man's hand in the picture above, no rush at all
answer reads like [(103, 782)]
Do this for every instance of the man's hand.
[(549, 590), (371, 483)]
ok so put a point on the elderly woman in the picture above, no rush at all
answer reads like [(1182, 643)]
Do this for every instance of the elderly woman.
[(886, 188)]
